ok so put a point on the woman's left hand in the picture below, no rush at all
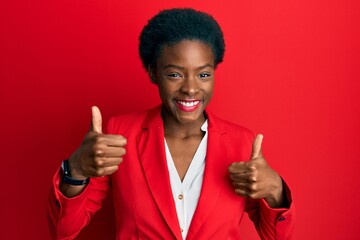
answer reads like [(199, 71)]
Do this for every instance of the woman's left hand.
[(255, 179)]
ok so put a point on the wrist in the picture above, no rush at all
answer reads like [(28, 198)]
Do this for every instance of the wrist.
[(74, 167), (276, 198), (69, 178)]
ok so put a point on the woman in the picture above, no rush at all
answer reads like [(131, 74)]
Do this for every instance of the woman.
[(176, 171)]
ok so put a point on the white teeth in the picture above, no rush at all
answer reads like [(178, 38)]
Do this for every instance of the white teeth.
[(188, 104)]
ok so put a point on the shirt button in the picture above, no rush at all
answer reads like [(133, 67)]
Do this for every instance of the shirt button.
[(281, 219), (182, 230), (180, 196)]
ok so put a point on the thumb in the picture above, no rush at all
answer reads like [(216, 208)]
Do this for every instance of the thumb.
[(96, 122), (256, 148)]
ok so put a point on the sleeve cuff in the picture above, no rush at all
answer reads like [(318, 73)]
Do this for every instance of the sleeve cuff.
[(279, 214)]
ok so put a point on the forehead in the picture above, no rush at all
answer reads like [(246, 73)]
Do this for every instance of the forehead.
[(187, 53)]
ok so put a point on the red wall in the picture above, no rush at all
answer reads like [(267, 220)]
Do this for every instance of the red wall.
[(291, 72)]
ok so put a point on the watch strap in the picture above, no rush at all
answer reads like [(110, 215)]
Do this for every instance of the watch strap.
[(67, 176)]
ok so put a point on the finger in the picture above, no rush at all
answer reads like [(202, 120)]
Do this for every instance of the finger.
[(248, 193), (112, 140), (246, 177), (256, 148), (241, 167), (239, 177), (238, 167), (104, 171), (242, 192), (109, 152), (242, 185), (96, 122), (108, 161)]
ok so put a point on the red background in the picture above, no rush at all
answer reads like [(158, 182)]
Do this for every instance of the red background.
[(291, 72)]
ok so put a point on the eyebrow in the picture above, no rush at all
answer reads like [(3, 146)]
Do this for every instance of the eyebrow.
[(182, 68)]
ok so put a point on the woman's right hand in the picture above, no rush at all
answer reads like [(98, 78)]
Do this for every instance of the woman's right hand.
[(99, 154)]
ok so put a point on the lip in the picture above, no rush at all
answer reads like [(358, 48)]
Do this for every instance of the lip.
[(188, 105)]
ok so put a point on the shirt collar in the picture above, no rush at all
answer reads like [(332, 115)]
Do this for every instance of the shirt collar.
[(204, 127)]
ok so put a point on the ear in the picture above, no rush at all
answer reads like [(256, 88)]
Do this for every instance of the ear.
[(152, 74)]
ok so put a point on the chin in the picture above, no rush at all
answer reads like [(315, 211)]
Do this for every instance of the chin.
[(189, 117)]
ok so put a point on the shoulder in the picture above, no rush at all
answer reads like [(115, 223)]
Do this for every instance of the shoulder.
[(132, 117), (225, 125), (236, 140), (128, 121)]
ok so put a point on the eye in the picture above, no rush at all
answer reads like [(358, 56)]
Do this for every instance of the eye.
[(204, 75), (174, 75)]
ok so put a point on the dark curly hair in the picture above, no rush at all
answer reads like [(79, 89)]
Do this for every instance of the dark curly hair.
[(174, 25)]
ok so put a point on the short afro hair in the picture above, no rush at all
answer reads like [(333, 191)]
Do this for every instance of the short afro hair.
[(171, 26)]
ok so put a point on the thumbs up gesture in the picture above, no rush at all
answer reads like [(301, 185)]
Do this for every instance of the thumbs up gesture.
[(99, 154), (255, 179)]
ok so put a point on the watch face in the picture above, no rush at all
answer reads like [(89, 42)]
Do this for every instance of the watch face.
[(67, 178), (65, 167)]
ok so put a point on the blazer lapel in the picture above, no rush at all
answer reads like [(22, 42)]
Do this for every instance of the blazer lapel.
[(209, 192), (151, 151)]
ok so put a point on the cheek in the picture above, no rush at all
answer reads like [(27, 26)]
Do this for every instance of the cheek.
[(165, 91), (209, 89)]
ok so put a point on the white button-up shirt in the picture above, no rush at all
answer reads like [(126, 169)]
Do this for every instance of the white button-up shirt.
[(186, 193)]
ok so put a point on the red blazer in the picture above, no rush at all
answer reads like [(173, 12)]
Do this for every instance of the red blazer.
[(144, 205)]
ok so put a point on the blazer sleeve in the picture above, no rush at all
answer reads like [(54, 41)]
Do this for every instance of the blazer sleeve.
[(67, 216), (273, 223)]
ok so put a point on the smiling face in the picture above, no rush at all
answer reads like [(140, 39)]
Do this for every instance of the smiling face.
[(184, 75)]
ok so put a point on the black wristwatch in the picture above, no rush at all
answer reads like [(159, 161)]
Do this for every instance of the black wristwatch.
[(67, 176)]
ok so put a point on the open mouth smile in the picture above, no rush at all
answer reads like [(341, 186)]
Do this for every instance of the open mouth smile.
[(187, 105)]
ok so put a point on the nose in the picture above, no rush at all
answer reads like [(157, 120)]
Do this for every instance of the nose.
[(190, 86)]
